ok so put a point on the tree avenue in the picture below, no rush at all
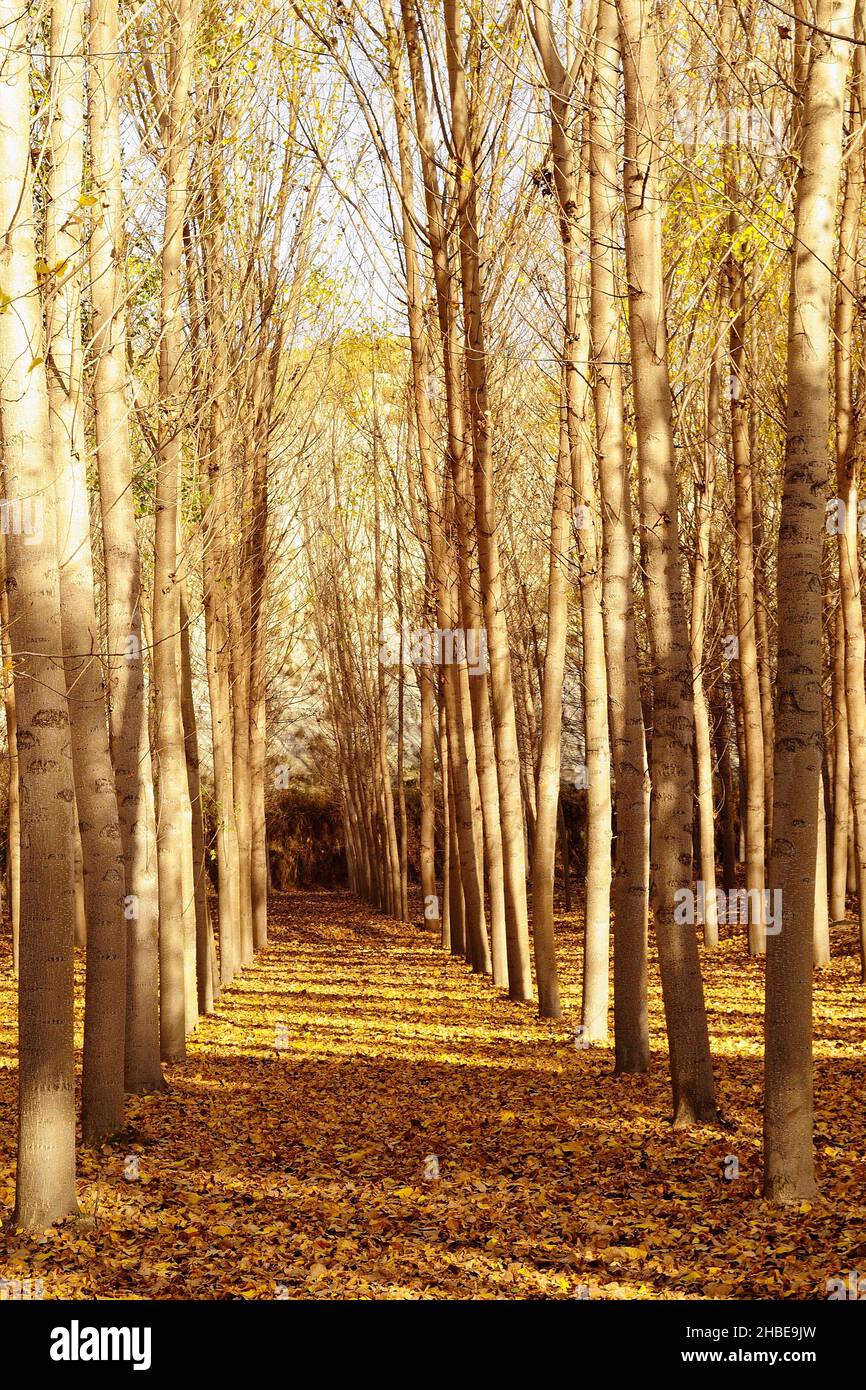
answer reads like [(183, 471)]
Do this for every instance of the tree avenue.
[(432, 439)]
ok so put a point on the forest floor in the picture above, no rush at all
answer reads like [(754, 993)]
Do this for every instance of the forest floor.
[(293, 1156)]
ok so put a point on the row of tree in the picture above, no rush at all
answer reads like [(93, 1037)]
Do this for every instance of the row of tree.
[(157, 207), (626, 246), (628, 241)]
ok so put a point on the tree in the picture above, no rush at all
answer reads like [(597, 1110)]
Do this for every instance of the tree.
[(788, 1164), (95, 796), (673, 710), (747, 645), (628, 740), (850, 637), (130, 744), (45, 1190), (177, 925), (466, 145)]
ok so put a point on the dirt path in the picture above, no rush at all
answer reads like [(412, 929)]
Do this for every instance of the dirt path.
[(297, 1150)]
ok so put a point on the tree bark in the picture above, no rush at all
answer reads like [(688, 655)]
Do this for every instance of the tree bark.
[(475, 364), (13, 819), (130, 743), (205, 984), (628, 742), (673, 712), (750, 691), (455, 589), (213, 482), (550, 755), (45, 1181), (95, 796), (704, 493), (848, 443), (788, 1162), (841, 775), (177, 926)]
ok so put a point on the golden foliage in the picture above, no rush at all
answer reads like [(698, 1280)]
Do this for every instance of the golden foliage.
[(291, 1157)]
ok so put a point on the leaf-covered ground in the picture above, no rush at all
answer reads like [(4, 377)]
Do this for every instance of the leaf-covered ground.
[(293, 1155)]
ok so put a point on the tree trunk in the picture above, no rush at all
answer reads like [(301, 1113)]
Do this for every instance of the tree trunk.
[(722, 740), (475, 361), (403, 866), (205, 984), (177, 926), (213, 482), (258, 571), (457, 909), (564, 857), (463, 766), (95, 797), (571, 197), (704, 492), (550, 756), (750, 691), (130, 743), (673, 713), (258, 772), (239, 668), (449, 865), (841, 775), (45, 1183), (432, 910), (628, 742), (788, 1163), (13, 819), (848, 439), (821, 926)]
